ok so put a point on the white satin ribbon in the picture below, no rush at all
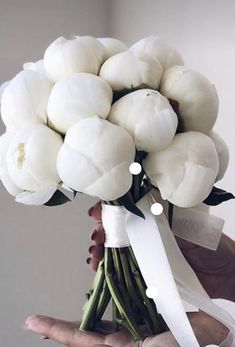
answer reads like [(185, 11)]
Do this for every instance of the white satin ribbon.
[(114, 224), (154, 244), (198, 226), (152, 259)]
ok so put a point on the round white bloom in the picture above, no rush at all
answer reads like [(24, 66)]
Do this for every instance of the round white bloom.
[(37, 66), (157, 48), (112, 46), (197, 97), (31, 157), (24, 100), (148, 117), (10, 186), (222, 152), (185, 171), (78, 96), (80, 54), (128, 70), (95, 159)]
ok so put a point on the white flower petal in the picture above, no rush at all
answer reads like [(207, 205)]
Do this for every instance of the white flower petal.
[(2, 88), (196, 96), (223, 154), (79, 54), (128, 70), (24, 100), (185, 171), (149, 118), (78, 96), (39, 197), (31, 157), (112, 46), (95, 159), (157, 48), (38, 66)]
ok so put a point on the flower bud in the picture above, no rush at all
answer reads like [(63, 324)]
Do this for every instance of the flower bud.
[(222, 152), (24, 100), (79, 54), (31, 157), (157, 48), (10, 186), (78, 96), (95, 159), (148, 117), (128, 70), (197, 97), (112, 46), (185, 171)]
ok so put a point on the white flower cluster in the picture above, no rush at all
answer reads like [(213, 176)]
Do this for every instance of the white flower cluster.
[(66, 125)]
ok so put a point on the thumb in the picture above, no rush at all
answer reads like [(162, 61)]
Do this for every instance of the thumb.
[(64, 332)]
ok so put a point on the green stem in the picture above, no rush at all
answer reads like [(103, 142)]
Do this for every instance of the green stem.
[(104, 300), (125, 312), (88, 317), (132, 290), (115, 316), (150, 305)]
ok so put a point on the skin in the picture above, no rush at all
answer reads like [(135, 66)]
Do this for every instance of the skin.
[(215, 270)]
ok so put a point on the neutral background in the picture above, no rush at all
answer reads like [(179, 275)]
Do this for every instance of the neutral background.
[(43, 250)]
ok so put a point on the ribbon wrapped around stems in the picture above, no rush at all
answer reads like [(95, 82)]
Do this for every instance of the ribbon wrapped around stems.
[(164, 267)]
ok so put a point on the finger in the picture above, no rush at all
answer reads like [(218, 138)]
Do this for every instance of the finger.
[(93, 263), (63, 332), (97, 252), (95, 211), (98, 235)]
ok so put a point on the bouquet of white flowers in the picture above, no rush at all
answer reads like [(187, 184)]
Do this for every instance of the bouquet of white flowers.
[(121, 124)]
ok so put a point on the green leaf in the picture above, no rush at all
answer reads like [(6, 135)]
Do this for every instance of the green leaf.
[(217, 196), (127, 201), (58, 198)]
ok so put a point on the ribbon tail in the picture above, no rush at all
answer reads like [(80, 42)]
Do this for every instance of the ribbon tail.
[(151, 256), (188, 284)]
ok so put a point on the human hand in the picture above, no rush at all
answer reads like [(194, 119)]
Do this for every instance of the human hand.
[(215, 269), (207, 330)]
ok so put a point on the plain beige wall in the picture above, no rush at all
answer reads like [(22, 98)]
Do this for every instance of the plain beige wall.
[(43, 250)]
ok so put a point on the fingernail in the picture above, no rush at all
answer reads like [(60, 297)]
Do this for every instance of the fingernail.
[(90, 211), (94, 235), (88, 260), (91, 248)]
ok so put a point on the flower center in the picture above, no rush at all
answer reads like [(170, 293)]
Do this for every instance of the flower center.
[(21, 155)]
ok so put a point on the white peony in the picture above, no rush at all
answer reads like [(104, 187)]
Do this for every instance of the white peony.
[(185, 171), (128, 70), (222, 152), (10, 186), (24, 100), (95, 159), (148, 117), (79, 54), (112, 46), (78, 96), (31, 157), (157, 48), (197, 97)]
